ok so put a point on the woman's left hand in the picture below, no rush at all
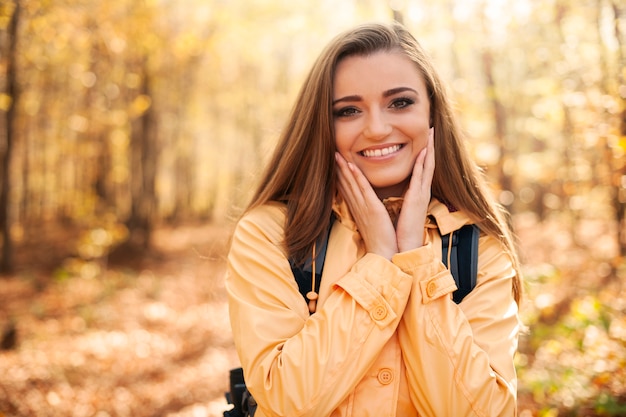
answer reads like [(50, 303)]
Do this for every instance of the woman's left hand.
[(369, 213), (412, 219)]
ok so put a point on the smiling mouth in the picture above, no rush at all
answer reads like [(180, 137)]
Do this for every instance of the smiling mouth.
[(370, 153)]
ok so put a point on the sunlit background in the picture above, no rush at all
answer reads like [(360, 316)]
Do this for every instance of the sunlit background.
[(132, 133)]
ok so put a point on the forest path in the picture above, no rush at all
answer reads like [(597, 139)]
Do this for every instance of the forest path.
[(146, 336)]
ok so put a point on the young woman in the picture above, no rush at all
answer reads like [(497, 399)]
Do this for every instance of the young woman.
[(373, 151)]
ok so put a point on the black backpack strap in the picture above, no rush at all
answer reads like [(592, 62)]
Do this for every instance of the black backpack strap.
[(463, 259), (464, 253), (302, 273)]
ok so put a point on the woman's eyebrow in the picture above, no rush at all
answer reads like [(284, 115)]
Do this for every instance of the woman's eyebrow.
[(397, 90), (386, 93), (347, 98)]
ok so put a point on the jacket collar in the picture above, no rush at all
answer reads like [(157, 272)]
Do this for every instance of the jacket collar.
[(439, 215), (447, 221)]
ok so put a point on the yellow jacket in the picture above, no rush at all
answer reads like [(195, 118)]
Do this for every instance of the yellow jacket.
[(386, 339)]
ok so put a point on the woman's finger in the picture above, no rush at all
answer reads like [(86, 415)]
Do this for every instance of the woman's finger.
[(368, 212), (349, 186), (429, 163), (417, 198)]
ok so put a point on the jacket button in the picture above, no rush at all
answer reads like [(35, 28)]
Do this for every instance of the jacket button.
[(385, 376), (379, 312), (431, 288)]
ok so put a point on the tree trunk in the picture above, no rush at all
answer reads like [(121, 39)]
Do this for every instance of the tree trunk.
[(619, 200), (182, 141), (498, 109), (499, 118), (6, 263), (143, 172)]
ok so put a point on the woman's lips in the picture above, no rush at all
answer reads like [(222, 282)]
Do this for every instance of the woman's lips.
[(371, 153)]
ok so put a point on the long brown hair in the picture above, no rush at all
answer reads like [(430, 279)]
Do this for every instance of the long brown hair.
[(301, 172)]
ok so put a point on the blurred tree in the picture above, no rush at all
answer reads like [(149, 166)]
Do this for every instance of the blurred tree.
[(10, 136), (144, 153), (143, 166), (499, 120), (619, 176)]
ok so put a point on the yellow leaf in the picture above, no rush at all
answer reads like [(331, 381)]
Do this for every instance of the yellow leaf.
[(5, 101), (140, 105)]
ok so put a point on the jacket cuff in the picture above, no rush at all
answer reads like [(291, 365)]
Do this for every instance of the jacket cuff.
[(437, 286), (377, 285), (432, 277), (415, 259)]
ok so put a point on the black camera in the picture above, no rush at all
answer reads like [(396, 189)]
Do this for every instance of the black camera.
[(239, 396)]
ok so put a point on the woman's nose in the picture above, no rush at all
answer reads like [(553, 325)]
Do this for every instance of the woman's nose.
[(377, 127)]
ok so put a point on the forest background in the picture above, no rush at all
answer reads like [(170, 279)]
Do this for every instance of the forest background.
[(131, 134)]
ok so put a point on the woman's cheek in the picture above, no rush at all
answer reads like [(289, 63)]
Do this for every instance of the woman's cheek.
[(343, 150)]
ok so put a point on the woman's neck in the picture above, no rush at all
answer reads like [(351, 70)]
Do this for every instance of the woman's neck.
[(396, 190)]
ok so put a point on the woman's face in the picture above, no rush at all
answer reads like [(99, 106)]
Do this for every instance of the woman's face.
[(381, 117)]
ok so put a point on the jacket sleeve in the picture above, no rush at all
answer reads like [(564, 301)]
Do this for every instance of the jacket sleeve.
[(296, 364), (459, 358)]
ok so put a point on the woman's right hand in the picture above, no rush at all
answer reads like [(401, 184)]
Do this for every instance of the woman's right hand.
[(410, 228), (370, 215)]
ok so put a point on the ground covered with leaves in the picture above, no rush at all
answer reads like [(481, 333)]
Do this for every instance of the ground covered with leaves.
[(90, 331), (137, 336), (572, 356)]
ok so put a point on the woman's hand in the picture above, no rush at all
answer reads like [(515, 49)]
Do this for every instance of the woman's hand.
[(410, 227), (370, 215)]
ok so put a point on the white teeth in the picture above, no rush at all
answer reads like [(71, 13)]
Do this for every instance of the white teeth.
[(380, 152)]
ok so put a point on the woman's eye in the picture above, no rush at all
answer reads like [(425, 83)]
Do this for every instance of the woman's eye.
[(401, 103), (345, 112)]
